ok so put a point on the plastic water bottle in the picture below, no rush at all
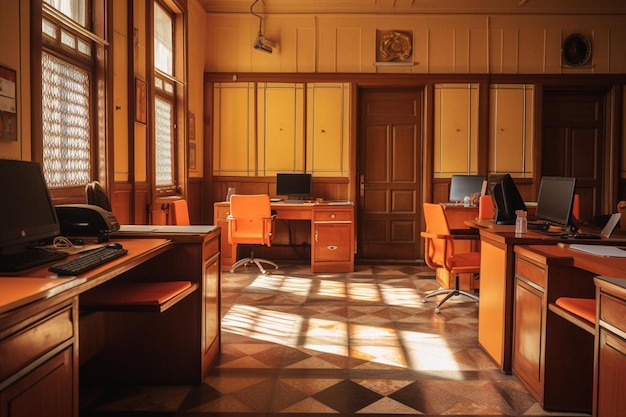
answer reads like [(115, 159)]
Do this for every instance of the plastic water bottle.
[(521, 222)]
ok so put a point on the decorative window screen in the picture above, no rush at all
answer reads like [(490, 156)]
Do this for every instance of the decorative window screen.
[(164, 143), (66, 123)]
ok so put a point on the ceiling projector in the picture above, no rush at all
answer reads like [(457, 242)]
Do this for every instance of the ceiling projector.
[(262, 44)]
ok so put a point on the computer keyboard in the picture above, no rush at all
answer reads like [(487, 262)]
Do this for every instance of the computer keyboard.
[(538, 225), (29, 258), (88, 260)]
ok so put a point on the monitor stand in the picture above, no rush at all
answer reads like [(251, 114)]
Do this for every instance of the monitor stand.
[(295, 200)]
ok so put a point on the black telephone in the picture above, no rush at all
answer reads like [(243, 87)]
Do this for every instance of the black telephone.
[(86, 220)]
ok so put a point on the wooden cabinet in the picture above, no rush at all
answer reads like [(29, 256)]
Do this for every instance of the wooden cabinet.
[(551, 357), (511, 127), (610, 367), (332, 245), (456, 129), (529, 319), (258, 124), (38, 363)]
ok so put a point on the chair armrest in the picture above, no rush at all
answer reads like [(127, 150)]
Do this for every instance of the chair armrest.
[(465, 231), (471, 236), (428, 235)]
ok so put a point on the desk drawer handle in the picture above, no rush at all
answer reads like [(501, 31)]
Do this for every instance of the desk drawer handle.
[(332, 247)]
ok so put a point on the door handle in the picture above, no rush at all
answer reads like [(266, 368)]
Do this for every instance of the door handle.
[(362, 185)]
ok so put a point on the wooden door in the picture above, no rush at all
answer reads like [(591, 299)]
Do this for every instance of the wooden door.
[(388, 169), (572, 143)]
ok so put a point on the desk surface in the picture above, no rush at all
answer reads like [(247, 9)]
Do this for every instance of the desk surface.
[(39, 283), (601, 265)]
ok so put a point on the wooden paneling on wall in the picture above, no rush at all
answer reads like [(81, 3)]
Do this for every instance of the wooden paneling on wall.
[(456, 44)]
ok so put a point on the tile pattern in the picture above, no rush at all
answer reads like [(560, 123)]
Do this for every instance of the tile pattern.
[(363, 343)]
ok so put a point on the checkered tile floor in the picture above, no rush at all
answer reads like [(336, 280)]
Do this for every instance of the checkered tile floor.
[(362, 343)]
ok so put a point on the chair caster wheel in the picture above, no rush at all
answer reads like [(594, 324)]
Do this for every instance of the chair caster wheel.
[(437, 310)]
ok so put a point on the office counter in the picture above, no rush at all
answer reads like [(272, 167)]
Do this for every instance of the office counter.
[(497, 270), (50, 339), (497, 283)]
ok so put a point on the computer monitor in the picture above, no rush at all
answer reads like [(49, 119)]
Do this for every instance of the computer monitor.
[(27, 214), (555, 201), (294, 186), (506, 198), (462, 186)]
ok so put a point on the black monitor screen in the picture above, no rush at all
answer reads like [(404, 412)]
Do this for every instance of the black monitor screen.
[(462, 186), (556, 196), (27, 215), (506, 198), (294, 185)]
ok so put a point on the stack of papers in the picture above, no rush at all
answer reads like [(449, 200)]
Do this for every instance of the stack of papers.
[(601, 250)]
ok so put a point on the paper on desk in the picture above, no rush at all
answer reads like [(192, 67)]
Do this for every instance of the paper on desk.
[(600, 250)]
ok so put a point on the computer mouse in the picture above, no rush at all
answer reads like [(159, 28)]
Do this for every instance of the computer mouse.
[(115, 246)]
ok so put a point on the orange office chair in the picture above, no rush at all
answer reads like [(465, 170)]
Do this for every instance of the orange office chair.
[(179, 213), (251, 222), (439, 252)]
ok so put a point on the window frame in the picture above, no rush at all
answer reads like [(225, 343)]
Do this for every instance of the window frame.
[(96, 35), (178, 12)]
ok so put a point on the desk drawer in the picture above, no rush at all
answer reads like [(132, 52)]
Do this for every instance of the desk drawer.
[(530, 272), (30, 343), (612, 311), (332, 215)]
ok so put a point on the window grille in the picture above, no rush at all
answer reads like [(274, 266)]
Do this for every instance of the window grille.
[(66, 123), (164, 146)]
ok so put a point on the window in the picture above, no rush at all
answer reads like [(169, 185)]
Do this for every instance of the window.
[(70, 55), (165, 109)]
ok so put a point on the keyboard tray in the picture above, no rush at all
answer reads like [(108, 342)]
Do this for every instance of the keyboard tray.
[(137, 296)]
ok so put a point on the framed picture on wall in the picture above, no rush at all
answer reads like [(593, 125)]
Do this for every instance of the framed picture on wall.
[(8, 104), (141, 101), (192, 126), (192, 157)]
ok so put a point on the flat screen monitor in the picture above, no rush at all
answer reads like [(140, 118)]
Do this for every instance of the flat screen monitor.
[(294, 186), (506, 198), (27, 214), (462, 186), (556, 197)]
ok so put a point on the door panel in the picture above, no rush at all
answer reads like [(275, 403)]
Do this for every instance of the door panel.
[(572, 143), (389, 160)]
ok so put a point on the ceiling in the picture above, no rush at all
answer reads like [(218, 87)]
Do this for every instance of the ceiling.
[(417, 6)]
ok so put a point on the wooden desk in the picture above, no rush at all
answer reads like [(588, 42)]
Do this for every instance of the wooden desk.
[(332, 233), (42, 327), (555, 358)]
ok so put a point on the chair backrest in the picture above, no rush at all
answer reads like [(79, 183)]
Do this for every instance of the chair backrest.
[(250, 220), (437, 250), (485, 208), (179, 213), (96, 195)]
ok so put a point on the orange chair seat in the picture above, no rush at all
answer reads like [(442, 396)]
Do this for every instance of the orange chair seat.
[(582, 307), (464, 262)]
